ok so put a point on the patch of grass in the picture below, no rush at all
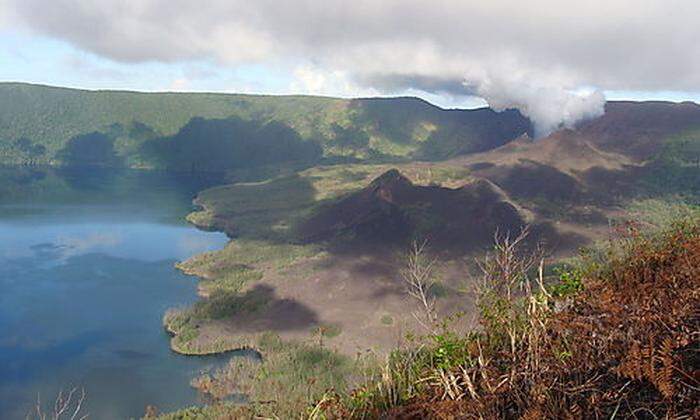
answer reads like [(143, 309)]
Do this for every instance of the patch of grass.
[(185, 324), (230, 280), (389, 384), (439, 290), (185, 338), (221, 410), (243, 262), (676, 169), (227, 304), (661, 212), (184, 328), (387, 320), (291, 377), (327, 330)]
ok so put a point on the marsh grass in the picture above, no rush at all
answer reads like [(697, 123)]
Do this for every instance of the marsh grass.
[(185, 323), (290, 378), (243, 262)]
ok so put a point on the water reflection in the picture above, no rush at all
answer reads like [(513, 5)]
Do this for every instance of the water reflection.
[(86, 273)]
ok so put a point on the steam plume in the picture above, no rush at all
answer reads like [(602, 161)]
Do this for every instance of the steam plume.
[(549, 106)]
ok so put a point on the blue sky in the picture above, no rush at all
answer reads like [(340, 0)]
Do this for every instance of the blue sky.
[(43, 60)]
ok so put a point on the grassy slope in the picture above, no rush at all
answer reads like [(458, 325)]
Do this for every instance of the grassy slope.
[(49, 117)]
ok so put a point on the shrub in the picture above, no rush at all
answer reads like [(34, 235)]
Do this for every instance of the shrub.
[(624, 346)]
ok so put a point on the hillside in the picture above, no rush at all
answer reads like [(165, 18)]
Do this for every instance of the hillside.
[(618, 337), (637, 149), (42, 124), (336, 233), (392, 209)]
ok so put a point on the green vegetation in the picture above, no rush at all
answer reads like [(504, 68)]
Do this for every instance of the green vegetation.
[(185, 324), (626, 334), (676, 169), (244, 261), (292, 376), (662, 211), (570, 281), (208, 132)]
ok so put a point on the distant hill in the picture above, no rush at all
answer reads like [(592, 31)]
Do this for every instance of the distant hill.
[(635, 148), (209, 131)]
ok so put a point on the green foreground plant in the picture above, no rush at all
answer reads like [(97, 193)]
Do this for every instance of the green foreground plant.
[(563, 348)]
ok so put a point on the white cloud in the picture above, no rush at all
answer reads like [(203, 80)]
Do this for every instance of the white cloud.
[(513, 53), (317, 81), (91, 242), (179, 84), (91, 69)]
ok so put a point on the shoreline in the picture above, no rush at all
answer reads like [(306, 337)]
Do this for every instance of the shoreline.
[(243, 344)]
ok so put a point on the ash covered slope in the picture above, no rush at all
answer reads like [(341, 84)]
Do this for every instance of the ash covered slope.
[(647, 148), (392, 209)]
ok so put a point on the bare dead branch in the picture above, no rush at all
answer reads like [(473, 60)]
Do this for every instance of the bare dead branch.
[(66, 406), (419, 279)]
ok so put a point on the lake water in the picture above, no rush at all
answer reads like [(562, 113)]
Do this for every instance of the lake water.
[(86, 273)]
